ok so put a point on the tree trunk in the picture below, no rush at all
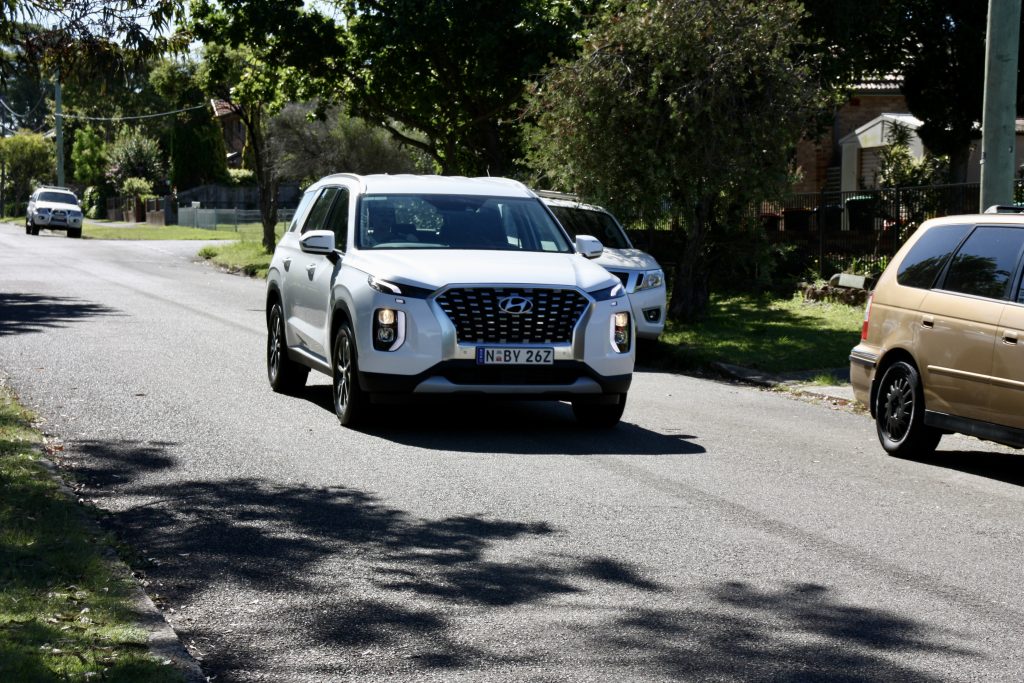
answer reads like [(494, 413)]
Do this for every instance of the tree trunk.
[(691, 284)]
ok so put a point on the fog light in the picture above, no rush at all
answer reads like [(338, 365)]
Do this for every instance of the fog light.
[(388, 329), (621, 332)]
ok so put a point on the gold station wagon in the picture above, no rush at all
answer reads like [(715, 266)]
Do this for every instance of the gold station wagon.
[(942, 346)]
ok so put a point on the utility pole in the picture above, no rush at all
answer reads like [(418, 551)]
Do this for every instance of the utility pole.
[(998, 122), (59, 129)]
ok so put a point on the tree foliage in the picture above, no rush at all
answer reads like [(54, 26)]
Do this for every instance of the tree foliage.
[(897, 166), (937, 47), (134, 155), (195, 142), (685, 108), (89, 157), (28, 161), (308, 148)]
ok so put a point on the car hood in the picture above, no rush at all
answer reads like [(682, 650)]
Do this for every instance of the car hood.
[(58, 206), (434, 268), (627, 259)]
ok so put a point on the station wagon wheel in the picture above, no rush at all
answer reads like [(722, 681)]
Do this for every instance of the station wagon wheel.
[(285, 375), (899, 413), (349, 399)]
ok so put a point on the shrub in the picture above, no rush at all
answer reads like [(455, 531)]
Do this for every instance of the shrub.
[(136, 187)]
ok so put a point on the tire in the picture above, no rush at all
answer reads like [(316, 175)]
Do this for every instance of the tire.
[(30, 228), (599, 415), (350, 402), (285, 375), (899, 413)]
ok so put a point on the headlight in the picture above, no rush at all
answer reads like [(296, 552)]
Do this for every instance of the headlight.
[(388, 287), (613, 292), (651, 279)]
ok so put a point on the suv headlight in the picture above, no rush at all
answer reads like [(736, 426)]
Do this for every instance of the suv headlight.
[(651, 279), (388, 287), (613, 292)]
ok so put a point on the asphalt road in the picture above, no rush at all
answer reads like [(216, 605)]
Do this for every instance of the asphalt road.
[(721, 533)]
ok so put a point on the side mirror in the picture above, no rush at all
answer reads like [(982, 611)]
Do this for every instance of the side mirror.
[(317, 242), (589, 247)]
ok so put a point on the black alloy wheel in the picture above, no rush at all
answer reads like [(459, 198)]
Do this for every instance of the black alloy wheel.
[(349, 399), (899, 413), (285, 375)]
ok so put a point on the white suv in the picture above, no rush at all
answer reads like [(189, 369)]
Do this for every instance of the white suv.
[(426, 285), (639, 272), (53, 208)]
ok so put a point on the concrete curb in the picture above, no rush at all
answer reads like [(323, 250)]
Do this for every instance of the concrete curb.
[(796, 382), (163, 640)]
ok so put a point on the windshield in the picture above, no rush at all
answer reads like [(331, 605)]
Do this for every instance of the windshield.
[(429, 221), (59, 197), (599, 224)]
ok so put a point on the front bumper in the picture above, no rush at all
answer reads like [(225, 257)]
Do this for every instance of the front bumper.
[(57, 221), (562, 380), (648, 306)]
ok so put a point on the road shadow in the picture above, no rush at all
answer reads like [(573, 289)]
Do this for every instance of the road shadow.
[(797, 632), (339, 570), (487, 425), (25, 313), (1004, 467)]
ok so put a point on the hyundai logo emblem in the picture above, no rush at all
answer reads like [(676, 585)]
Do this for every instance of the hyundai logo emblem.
[(515, 304)]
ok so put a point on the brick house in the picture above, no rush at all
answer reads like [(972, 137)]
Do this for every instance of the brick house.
[(234, 130)]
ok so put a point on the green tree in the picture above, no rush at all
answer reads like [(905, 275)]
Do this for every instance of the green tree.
[(28, 160), (196, 141), (687, 110), (936, 46), (89, 157), (446, 77), (255, 91), (134, 155), (308, 148)]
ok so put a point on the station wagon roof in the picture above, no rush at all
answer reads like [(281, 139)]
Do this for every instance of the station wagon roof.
[(435, 184)]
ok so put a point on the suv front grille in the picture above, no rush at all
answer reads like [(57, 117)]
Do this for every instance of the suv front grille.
[(477, 317)]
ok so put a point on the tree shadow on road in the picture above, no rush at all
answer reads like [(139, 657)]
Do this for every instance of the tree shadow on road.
[(340, 574), (488, 425), (25, 313)]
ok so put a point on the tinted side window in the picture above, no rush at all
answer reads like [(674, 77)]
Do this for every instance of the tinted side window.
[(317, 219), (926, 258), (338, 220), (986, 262), (579, 221), (300, 211)]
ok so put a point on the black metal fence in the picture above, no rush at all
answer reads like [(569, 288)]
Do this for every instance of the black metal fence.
[(831, 232), (860, 230)]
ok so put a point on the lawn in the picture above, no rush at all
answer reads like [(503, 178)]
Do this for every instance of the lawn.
[(770, 334), (66, 612)]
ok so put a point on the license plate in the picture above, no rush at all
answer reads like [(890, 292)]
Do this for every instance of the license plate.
[(509, 356)]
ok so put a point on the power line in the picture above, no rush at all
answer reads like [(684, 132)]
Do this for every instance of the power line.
[(130, 118)]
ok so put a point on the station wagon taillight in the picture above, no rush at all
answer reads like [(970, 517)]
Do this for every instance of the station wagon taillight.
[(867, 318)]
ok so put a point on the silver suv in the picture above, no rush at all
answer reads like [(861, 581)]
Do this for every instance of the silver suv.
[(639, 272), (399, 286), (53, 208)]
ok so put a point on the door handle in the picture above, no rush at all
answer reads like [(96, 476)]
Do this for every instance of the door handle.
[(1010, 337), (927, 321), (288, 263), (310, 269)]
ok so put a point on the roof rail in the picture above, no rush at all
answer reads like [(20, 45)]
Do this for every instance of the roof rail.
[(1004, 208), (552, 194)]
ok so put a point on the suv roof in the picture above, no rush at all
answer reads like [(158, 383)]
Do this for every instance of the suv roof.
[(434, 184)]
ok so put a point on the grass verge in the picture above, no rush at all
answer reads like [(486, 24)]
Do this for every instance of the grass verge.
[(66, 614), (99, 231), (246, 256), (771, 334)]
